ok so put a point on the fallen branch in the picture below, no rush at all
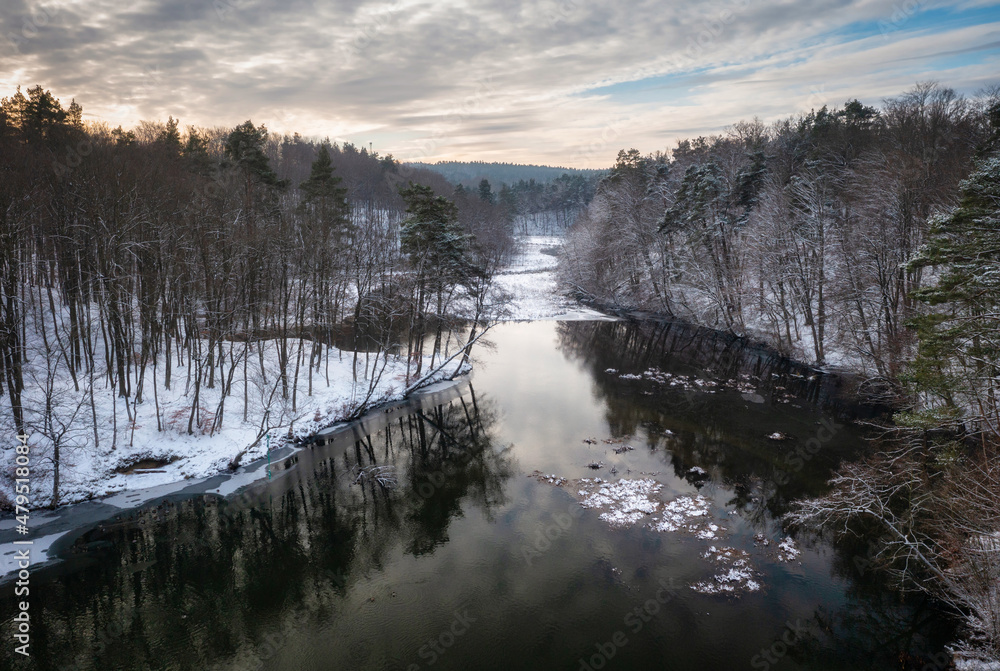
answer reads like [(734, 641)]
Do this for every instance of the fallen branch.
[(426, 379)]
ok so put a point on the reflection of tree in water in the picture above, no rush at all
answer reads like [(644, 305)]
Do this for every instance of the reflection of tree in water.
[(722, 432), (202, 582), (676, 346), (444, 456), (876, 627)]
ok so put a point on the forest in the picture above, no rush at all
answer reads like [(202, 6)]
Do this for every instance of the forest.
[(542, 200), (865, 240), (161, 283), (224, 286)]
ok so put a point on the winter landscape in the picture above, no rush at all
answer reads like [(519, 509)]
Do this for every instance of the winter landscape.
[(406, 336)]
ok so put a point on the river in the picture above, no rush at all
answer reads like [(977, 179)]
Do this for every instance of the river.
[(488, 545)]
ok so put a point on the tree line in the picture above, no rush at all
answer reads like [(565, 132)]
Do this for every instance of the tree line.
[(134, 260), (798, 232), (862, 237)]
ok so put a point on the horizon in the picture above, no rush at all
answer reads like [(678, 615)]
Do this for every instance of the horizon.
[(561, 84), (557, 84)]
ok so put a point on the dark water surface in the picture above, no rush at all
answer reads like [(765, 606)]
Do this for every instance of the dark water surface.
[(470, 563)]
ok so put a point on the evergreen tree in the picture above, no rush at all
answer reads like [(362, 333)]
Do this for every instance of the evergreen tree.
[(42, 114), (39, 116), (431, 235), (195, 152), (123, 137), (170, 137), (486, 191), (959, 350), (323, 195), (15, 109), (74, 115), (244, 146)]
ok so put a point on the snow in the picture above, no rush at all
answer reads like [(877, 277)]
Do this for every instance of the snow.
[(736, 574), (128, 433), (976, 665), (553, 479), (744, 383), (625, 502), (39, 553), (710, 532), (787, 551), (531, 279), (679, 513), (89, 471)]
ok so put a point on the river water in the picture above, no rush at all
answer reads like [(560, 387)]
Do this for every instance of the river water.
[(480, 555)]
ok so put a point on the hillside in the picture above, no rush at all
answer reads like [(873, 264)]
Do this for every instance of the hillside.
[(470, 173)]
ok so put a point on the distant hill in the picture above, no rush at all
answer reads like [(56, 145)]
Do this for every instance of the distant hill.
[(470, 173)]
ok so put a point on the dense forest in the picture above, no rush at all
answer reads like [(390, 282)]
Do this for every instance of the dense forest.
[(218, 268), (862, 237), (168, 283), (470, 173), (542, 200)]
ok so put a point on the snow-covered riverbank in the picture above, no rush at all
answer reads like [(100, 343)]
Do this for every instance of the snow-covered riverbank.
[(155, 442), (139, 445), (531, 280)]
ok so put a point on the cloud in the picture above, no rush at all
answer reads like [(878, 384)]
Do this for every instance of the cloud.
[(554, 81)]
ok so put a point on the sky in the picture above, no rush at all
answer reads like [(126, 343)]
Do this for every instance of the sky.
[(557, 82)]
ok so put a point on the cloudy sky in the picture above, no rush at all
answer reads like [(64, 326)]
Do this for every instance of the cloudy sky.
[(563, 82)]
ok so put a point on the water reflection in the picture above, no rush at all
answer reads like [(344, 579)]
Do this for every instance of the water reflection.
[(216, 583), (726, 433), (724, 429), (457, 560)]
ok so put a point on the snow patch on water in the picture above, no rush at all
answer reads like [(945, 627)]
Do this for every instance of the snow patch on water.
[(624, 502), (679, 513), (787, 551), (736, 575)]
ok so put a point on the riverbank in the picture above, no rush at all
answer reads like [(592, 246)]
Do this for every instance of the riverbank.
[(161, 440), (838, 389), (157, 447), (531, 281), (52, 531), (194, 428)]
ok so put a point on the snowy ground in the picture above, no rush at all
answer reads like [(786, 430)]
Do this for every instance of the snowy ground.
[(156, 430), (134, 449), (531, 278)]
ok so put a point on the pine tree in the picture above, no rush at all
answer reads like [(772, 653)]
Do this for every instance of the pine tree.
[(959, 340), (324, 196), (431, 235), (245, 147), (43, 112), (74, 114), (123, 137), (486, 191), (195, 152), (322, 183), (38, 115), (170, 137)]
